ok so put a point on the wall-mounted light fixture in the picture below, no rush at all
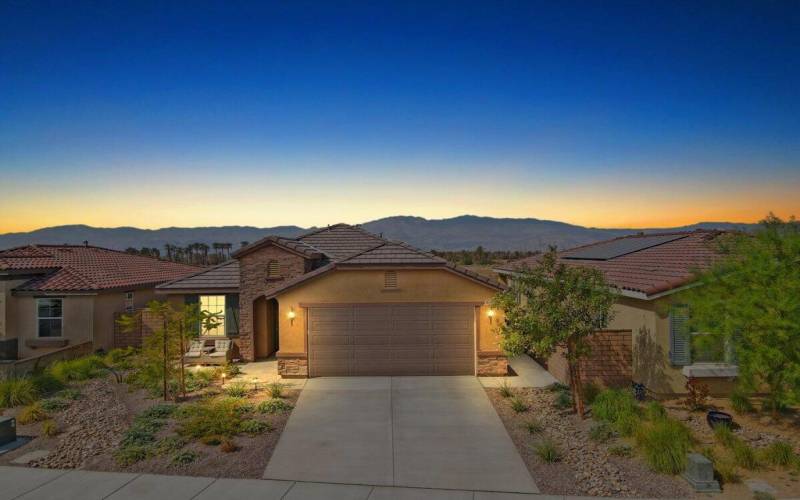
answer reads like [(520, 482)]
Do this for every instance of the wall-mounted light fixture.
[(291, 314), (490, 313)]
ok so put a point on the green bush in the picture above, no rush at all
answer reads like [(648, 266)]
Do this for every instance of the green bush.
[(78, 369), (563, 401), (237, 390), (69, 393), (518, 404), (534, 427), (169, 444), (590, 392), (273, 406), (726, 472), (254, 427), (548, 452), (199, 379), (275, 390), (613, 404), (627, 424), (129, 455), (184, 457), (740, 402), (158, 411), (31, 414), (231, 370), (53, 404), (211, 417), (17, 392), (622, 450), (46, 383), (505, 389), (558, 387), (49, 428), (779, 453), (601, 432), (744, 455), (654, 411), (137, 437), (665, 443), (725, 436), (120, 359)]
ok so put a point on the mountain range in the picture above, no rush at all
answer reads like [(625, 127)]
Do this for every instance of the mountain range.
[(457, 233)]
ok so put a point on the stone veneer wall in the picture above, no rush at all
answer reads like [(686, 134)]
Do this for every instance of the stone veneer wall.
[(293, 366), (492, 364), (253, 283), (609, 364)]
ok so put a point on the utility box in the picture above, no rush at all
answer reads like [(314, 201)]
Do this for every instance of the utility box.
[(700, 474), (8, 430)]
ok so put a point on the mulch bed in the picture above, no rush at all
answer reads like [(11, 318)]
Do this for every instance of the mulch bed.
[(586, 467)]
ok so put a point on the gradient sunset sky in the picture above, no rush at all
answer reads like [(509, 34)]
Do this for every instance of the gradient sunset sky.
[(611, 114)]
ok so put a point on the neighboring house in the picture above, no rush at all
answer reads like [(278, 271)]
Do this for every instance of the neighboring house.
[(343, 301), (644, 341), (54, 296)]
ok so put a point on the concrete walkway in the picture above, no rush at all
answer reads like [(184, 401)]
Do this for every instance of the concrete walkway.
[(529, 374), (420, 432), (45, 484)]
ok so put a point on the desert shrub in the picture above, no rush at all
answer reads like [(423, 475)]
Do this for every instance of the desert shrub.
[(212, 440), (654, 411), (244, 407), (534, 427), (558, 387), (228, 446), (231, 370), (69, 393), (709, 453), (237, 390), (121, 358), (726, 472), (78, 369), (771, 405), (744, 455), (622, 450), (49, 428), (275, 390), (17, 392), (273, 406), (46, 383), (31, 414), (254, 427), (724, 435), (158, 411), (601, 432), (199, 379), (518, 404), (627, 424), (505, 389), (696, 394), (169, 444), (211, 417), (548, 452), (779, 453), (590, 392), (184, 457), (129, 455), (664, 443), (53, 404), (610, 405), (563, 401), (740, 402), (137, 437)]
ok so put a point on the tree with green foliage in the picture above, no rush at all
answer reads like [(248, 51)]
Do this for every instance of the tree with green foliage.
[(751, 298), (555, 306), (162, 355)]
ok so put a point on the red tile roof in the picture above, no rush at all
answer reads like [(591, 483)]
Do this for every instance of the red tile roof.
[(74, 268), (651, 270)]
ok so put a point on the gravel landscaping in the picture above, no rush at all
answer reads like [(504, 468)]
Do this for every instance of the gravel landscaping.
[(585, 467)]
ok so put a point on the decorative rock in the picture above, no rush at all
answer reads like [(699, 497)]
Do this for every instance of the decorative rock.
[(760, 486)]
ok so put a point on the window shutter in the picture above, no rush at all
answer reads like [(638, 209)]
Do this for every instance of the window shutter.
[(680, 342), (193, 300), (232, 314)]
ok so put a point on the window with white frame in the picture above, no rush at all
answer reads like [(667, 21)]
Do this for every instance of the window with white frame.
[(49, 317), (214, 304)]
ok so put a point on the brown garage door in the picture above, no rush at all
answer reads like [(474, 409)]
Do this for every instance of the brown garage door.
[(391, 339)]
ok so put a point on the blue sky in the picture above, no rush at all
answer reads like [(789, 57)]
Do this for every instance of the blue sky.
[(597, 113)]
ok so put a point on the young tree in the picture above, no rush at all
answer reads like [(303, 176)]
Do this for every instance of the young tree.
[(162, 354), (751, 298), (553, 306)]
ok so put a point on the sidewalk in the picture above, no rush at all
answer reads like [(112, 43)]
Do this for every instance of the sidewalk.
[(529, 374), (40, 484)]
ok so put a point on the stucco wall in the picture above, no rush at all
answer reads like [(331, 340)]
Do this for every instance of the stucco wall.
[(366, 286), (78, 314)]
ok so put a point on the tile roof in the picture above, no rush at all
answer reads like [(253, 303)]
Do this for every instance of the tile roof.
[(652, 270), (341, 241), (74, 268), (393, 253), (224, 276), (293, 245)]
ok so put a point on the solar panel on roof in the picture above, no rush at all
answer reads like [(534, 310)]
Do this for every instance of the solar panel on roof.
[(622, 246)]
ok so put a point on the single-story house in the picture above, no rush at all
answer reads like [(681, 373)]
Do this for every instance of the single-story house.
[(644, 341), (54, 296), (342, 301)]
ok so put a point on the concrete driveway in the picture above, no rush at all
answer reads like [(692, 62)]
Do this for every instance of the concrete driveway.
[(425, 432)]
